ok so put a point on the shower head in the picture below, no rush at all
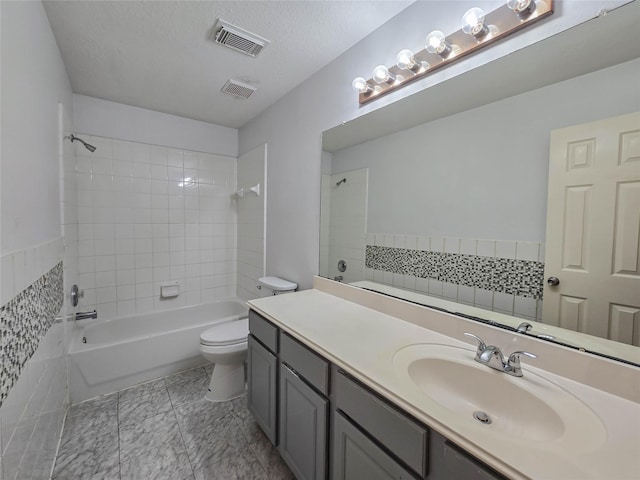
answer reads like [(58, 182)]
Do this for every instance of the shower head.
[(344, 180), (88, 146)]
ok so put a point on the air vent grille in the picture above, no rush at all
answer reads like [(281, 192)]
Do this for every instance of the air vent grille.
[(238, 89), (239, 39)]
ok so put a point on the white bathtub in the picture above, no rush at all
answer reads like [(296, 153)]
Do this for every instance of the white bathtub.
[(109, 355)]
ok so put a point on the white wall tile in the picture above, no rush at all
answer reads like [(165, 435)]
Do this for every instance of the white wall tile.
[(450, 290), (503, 302), (139, 225), (468, 246), (505, 249), (486, 248), (483, 298), (466, 294), (8, 290), (525, 307), (436, 244), (452, 245), (527, 251)]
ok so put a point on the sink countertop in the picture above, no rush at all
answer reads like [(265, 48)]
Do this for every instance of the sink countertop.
[(363, 342)]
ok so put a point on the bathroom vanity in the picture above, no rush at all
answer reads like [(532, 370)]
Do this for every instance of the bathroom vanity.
[(351, 384)]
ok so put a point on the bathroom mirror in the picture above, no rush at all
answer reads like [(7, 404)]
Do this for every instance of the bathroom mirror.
[(457, 173)]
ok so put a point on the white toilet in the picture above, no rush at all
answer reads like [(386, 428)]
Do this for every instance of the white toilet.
[(225, 345)]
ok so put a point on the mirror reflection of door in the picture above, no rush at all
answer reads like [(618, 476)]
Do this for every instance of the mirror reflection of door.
[(593, 229)]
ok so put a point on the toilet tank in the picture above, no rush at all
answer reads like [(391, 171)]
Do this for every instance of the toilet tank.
[(277, 285)]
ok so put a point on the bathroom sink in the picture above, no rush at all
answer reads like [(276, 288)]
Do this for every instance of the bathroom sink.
[(528, 408)]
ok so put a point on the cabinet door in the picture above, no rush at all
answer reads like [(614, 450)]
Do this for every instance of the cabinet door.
[(355, 457), (303, 427), (262, 370)]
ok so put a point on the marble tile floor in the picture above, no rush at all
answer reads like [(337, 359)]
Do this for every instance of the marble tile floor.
[(165, 429)]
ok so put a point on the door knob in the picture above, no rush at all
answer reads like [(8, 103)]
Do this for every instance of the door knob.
[(553, 281)]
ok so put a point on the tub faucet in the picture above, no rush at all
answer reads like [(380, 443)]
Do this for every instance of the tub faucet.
[(85, 315), (492, 357), (77, 316)]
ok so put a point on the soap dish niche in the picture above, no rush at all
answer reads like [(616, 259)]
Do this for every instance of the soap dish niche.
[(169, 289)]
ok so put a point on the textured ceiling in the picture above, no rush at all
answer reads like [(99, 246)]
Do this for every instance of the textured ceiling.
[(159, 55)]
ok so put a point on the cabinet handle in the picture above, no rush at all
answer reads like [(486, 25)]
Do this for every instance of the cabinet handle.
[(291, 370)]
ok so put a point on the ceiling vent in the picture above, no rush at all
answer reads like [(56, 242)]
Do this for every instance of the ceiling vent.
[(239, 39), (238, 89)]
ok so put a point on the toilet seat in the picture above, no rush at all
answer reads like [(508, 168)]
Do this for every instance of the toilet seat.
[(227, 333)]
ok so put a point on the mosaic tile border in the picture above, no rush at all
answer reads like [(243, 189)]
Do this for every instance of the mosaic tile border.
[(519, 277), (24, 321)]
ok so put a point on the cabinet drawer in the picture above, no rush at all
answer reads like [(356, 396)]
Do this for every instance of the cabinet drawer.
[(313, 368), (263, 330), (399, 434)]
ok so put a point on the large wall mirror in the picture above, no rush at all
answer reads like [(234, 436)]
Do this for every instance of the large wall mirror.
[(441, 198)]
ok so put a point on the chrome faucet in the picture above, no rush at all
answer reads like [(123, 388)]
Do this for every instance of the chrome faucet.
[(492, 356), (524, 327)]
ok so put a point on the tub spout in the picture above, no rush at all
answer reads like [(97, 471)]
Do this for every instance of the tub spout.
[(85, 315)]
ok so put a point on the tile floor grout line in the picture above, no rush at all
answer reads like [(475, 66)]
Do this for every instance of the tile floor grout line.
[(184, 444)]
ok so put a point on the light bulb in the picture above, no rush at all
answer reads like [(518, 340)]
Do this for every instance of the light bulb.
[(473, 23), (436, 42), (381, 74), (405, 60), (522, 7), (360, 85)]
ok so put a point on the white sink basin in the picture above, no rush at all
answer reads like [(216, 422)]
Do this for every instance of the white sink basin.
[(528, 408)]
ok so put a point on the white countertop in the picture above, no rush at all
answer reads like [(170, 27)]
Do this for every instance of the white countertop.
[(363, 342)]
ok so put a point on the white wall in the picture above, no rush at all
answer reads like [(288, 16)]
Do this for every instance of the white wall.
[(292, 127), (115, 120), (34, 81), (483, 173)]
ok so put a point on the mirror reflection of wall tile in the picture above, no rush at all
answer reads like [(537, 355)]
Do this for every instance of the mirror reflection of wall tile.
[(504, 276)]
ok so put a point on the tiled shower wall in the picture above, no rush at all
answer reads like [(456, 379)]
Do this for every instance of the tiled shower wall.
[(251, 222), (347, 228), (148, 215), (503, 276), (33, 392)]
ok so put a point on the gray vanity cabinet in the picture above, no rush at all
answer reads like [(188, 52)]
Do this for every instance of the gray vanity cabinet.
[(365, 435), (262, 374)]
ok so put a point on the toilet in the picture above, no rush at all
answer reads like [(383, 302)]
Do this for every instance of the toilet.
[(225, 345)]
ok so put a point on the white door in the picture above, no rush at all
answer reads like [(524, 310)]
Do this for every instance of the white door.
[(593, 229)]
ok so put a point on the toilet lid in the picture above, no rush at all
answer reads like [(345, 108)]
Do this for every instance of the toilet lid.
[(227, 333)]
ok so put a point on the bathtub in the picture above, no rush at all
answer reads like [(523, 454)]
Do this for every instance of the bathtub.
[(109, 355)]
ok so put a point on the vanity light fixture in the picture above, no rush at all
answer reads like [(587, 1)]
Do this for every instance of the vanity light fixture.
[(479, 29)]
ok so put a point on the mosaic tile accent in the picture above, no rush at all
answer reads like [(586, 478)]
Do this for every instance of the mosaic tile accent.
[(24, 321), (520, 277)]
